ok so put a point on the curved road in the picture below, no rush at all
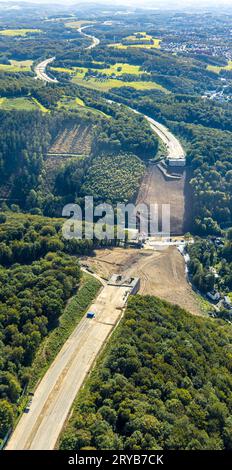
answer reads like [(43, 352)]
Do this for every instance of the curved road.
[(173, 145), (95, 41), (40, 71)]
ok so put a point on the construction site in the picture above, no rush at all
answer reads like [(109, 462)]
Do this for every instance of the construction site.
[(160, 188), (40, 427), (161, 271)]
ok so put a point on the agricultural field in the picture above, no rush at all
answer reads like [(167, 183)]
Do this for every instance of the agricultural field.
[(139, 40), (217, 69), (66, 102), (70, 103), (40, 105), (77, 24), (18, 32), (23, 103), (108, 84), (117, 69), (19, 104), (93, 78), (17, 66)]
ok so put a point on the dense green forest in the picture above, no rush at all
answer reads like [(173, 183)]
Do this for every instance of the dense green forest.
[(27, 136), (211, 162), (210, 267), (108, 177), (164, 382), (38, 274), (45, 37), (128, 132), (23, 141)]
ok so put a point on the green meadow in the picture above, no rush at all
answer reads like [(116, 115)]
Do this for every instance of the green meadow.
[(217, 69), (17, 66), (18, 32)]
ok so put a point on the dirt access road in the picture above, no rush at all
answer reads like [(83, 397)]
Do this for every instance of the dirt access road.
[(162, 273), (39, 429)]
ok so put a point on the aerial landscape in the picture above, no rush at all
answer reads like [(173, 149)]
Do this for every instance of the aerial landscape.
[(115, 227)]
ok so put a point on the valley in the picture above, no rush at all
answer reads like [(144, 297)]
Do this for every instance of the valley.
[(115, 343)]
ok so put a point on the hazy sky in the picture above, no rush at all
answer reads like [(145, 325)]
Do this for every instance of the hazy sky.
[(142, 3), (197, 4)]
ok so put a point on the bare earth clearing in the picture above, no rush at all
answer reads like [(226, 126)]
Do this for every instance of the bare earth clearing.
[(162, 273), (73, 140), (155, 188)]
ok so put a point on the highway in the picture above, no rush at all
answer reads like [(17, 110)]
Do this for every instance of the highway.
[(173, 145), (95, 41), (39, 429), (40, 71)]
